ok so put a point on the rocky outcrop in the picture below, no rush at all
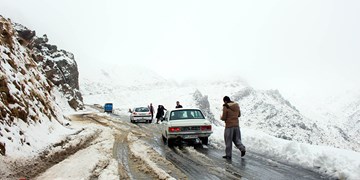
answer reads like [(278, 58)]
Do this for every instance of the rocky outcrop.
[(32, 76), (203, 104), (59, 65)]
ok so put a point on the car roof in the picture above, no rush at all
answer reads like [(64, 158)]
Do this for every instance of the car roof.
[(140, 107), (177, 109)]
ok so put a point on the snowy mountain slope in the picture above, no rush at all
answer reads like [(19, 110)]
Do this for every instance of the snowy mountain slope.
[(270, 112), (32, 107), (337, 107), (352, 115), (112, 77), (127, 86), (341, 109)]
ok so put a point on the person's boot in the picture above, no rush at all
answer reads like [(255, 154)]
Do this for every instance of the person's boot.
[(227, 157), (243, 153)]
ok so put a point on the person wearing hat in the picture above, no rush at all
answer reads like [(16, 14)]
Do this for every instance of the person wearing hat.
[(230, 114)]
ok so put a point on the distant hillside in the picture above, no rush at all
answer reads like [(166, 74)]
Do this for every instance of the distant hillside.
[(37, 84), (106, 78), (270, 112)]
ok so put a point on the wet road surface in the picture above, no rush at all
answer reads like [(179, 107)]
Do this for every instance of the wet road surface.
[(206, 162)]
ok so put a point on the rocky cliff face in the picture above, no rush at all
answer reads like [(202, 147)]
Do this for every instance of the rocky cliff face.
[(32, 76), (202, 102), (59, 65)]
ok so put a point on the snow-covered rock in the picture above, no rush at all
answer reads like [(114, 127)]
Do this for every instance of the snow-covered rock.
[(31, 105), (59, 65)]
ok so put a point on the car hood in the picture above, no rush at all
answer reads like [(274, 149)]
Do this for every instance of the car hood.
[(189, 122)]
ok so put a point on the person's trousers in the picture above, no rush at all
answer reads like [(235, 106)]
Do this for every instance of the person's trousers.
[(232, 134)]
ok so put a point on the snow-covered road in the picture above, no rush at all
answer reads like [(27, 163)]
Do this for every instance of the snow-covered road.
[(110, 147), (201, 162)]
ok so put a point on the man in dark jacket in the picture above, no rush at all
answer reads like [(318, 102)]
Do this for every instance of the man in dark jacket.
[(152, 111), (178, 105), (231, 113)]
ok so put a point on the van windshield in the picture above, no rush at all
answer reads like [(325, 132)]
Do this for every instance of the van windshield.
[(186, 114)]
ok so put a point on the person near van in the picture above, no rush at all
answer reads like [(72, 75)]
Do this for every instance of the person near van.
[(230, 114)]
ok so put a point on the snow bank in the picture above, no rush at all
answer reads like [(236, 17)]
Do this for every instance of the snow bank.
[(49, 131), (140, 150), (93, 161), (342, 164)]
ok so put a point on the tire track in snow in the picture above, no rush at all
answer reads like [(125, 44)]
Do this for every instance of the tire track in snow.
[(253, 166)]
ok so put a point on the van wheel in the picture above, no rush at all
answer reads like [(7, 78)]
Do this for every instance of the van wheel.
[(205, 140)]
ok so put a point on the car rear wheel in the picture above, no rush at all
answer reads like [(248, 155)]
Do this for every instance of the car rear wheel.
[(170, 142), (205, 140)]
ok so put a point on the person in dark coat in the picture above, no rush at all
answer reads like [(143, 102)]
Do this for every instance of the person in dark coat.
[(231, 113), (152, 111), (160, 113)]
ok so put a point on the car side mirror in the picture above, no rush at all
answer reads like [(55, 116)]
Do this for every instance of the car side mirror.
[(130, 111)]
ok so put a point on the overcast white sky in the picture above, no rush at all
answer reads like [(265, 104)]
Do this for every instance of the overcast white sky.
[(294, 46)]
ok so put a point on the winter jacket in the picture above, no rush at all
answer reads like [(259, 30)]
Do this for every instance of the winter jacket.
[(151, 109), (160, 112), (231, 113)]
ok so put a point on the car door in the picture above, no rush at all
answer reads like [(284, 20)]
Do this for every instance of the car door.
[(165, 123)]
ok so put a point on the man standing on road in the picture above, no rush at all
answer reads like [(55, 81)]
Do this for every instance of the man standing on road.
[(152, 111), (231, 113), (178, 105)]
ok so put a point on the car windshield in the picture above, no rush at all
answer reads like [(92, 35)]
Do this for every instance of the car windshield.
[(186, 114), (142, 109)]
